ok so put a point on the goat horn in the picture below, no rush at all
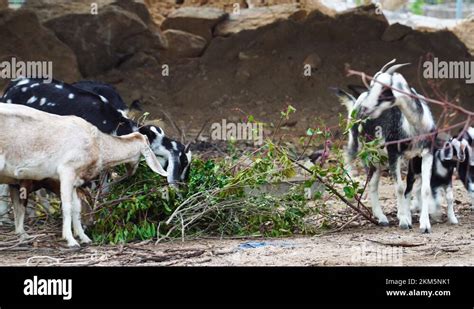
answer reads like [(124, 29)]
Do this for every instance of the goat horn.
[(386, 65), (392, 69)]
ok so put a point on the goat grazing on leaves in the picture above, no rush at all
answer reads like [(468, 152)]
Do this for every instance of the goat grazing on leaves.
[(395, 116), (445, 160), (173, 155), (102, 106), (35, 146)]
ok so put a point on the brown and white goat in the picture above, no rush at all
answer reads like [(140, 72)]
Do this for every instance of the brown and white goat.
[(35, 145)]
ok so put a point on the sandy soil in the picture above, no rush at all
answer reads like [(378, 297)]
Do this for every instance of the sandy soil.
[(359, 243)]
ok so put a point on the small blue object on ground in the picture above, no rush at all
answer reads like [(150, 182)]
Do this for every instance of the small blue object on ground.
[(251, 245)]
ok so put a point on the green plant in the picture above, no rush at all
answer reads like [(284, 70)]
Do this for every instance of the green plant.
[(417, 7), (214, 203), (220, 197)]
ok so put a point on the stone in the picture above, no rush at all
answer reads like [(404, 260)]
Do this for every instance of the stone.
[(104, 40), (196, 20), (183, 44), (313, 60), (257, 17), (24, 38)]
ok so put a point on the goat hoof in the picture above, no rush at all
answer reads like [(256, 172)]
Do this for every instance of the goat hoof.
[(425, 230), (24, 236), (383, 223), (453, 221), (73, 244), (405, 226), (85, 240), (404, 222)]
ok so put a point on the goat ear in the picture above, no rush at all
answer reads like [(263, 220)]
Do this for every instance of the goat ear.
[(394, 68), (188, 146), (342, 94), (136, 105), (387, 64), (153, 162), (447, 153), (357, 90), (461, 149)]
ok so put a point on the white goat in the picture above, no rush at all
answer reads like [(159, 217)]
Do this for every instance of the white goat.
[(395, 116), (35, 145)]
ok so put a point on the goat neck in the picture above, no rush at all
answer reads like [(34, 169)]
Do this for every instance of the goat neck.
[(115, 150)]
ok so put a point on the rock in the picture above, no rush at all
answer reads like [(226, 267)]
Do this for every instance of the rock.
[(395, 32), (137, 7), (49, 9), (158, 18), (104, 40), (159, 9), (24, 38), (139, 60), (298, 15), (363, 19), (465, 32), (257, 17), (196, 20), (183, 44), (313, 60), (370, 10)]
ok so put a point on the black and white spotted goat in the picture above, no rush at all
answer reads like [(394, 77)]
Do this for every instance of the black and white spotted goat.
[(394, 116), (466, 169), (101, 105), (446, 158)]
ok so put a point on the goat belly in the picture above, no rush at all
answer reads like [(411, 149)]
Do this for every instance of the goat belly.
[(7, 180), (33, 172)]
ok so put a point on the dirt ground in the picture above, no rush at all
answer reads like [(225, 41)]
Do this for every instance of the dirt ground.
[(358, 243)]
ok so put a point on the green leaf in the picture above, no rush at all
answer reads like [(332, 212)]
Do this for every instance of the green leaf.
[(349, 192)]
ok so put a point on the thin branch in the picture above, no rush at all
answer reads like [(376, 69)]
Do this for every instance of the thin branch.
[(334, 191)]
